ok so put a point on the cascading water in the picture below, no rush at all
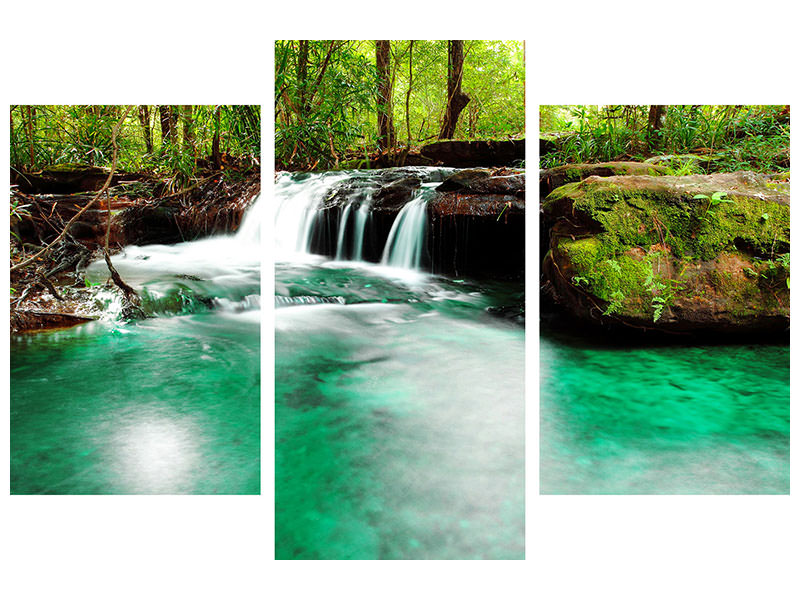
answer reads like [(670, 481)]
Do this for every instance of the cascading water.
[(362, 220), (399, 400), (407, 237), (161, 405), (222, 270), (343, 232), (296, 210)]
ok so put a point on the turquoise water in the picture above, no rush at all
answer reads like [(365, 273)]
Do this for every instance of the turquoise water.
[(399, 416), (164, 405), (663, 419), (161, 406)]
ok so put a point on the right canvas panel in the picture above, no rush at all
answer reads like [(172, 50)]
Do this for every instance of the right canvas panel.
[(664, 351)]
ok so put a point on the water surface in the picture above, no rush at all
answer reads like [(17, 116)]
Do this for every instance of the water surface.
[(399, 417), (663, 419)]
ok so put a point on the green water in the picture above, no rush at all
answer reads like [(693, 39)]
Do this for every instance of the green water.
[(663, 419), (160, 406), (399, 418)]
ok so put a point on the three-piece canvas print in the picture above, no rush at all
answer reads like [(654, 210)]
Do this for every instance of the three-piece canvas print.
[(660, 246)]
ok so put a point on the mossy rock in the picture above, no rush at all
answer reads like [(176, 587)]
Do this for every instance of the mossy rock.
[(658, 252), (66, 178), (74, 169), (550, 179)]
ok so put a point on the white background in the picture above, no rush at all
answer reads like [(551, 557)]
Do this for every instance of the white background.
[(222, 547)]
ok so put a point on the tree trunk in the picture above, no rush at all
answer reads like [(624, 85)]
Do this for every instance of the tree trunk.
[(384, 97), (655, 120), (216, 156), (188, 128), (31, 115), (456, 99), (408, 92), (144, 119), (302, 78), (169, 121)]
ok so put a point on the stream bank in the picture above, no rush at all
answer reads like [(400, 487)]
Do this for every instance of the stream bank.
[(54, 291)]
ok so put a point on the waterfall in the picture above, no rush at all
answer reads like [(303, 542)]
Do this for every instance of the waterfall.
[(362, 218), (407, 237), (342, 231), (332, 214), (296, 209)]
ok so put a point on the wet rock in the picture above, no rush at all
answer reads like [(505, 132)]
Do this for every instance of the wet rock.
[(485, 181), (477, 224), (395, 195)]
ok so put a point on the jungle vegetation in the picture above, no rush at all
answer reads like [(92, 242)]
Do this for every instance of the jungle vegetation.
[(337, 102), (166, 141), (719, 137)]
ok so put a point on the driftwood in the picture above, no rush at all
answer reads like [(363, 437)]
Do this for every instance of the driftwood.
[(32, 320)]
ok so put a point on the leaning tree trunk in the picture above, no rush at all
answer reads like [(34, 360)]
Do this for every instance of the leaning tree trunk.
[(384, 99), (456, 99), (408, 91)]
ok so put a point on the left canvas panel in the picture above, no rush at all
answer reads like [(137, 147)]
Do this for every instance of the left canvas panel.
[(135, 299)]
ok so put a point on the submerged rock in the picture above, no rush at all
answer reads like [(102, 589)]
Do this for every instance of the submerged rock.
[(678, 254)]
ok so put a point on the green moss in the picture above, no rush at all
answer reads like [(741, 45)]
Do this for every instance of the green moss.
[(73, 168), (636, 217), (582, 253), (626, 283)]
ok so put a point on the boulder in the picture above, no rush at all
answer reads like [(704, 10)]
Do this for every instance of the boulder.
[(65, 178), (480, 153), (550, 179), (485, 181), (675, 254)]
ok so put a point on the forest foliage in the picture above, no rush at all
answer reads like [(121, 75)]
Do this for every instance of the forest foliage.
[(720, 137), (164, 140), (327, 104)]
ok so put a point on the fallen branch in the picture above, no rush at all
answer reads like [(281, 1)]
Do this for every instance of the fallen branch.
[(130, 293)]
